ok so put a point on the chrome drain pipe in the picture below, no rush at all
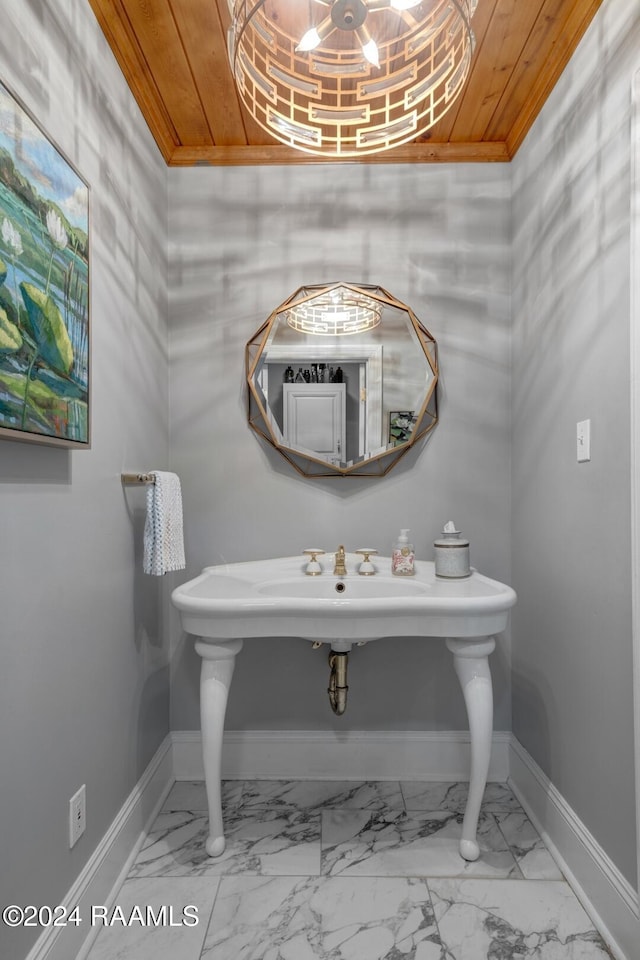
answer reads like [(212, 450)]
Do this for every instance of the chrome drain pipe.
[(338, 688)]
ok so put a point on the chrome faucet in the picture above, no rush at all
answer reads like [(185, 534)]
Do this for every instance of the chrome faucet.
[(340, 569)]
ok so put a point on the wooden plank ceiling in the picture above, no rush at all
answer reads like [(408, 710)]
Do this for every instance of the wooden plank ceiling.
[(173, 55)]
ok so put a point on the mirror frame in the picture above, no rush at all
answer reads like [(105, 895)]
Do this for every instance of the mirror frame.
[(260, 417)]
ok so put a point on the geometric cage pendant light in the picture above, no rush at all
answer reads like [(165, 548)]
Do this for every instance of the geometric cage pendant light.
[(338, 311), (347, 78)]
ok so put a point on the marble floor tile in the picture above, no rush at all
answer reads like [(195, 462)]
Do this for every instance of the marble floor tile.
[(322, 918), (453, 796), (175, 937), (192, 795), (526, 919), (418, 844), (342, 870), (266, 840), (525, 843), (325, 794)]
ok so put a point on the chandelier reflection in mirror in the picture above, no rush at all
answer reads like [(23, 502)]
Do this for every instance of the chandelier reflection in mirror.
[(337, 313), (347, 78), (342, 402)]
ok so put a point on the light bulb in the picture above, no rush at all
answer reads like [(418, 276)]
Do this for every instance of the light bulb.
[(370, 50), (310, 41)]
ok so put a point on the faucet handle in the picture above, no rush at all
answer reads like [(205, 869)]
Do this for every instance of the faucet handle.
[(366, 568), (313, 567)]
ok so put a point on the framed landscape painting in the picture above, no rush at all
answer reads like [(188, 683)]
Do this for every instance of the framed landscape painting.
[(44, 286)]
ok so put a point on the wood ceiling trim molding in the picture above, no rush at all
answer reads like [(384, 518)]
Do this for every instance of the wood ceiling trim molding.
[(125, 48), (477, 152), (565, 42)]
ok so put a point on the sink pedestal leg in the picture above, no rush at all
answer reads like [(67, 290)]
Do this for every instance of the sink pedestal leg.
[(470, 658), (218, 661)]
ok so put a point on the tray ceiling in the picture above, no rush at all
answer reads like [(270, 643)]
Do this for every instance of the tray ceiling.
[(173, 54)]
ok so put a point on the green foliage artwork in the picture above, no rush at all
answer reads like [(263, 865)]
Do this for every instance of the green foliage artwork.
[(401, 424), (44, 286)]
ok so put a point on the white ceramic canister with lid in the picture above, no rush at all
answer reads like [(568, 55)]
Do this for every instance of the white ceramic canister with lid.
[(451, 554)]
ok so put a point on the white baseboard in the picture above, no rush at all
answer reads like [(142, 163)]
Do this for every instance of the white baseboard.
[(606, 895), (333, 755), (110, 862)]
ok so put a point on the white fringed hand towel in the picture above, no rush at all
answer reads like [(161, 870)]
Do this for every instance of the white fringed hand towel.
[(163, 536)]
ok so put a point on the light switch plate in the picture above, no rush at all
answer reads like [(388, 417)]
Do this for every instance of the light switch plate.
[(583, 440)]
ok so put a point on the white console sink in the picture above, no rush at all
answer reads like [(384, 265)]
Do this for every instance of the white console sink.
[(274, 598)]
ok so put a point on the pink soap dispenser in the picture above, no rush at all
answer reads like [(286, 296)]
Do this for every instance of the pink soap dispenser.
[(403, 556)]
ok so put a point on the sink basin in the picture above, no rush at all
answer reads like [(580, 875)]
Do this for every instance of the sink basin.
[(266, 598), (344, 589)]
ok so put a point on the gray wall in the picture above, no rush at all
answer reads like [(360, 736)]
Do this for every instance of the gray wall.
[(572, 652), (84, 676), (241, 241)]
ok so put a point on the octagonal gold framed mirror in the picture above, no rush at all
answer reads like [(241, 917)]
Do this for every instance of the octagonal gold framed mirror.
[(342, 380)]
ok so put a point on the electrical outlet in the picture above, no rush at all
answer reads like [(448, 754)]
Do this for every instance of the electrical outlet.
[(77, 815)]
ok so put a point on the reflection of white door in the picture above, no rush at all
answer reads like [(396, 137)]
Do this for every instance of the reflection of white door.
[(314, 416)]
